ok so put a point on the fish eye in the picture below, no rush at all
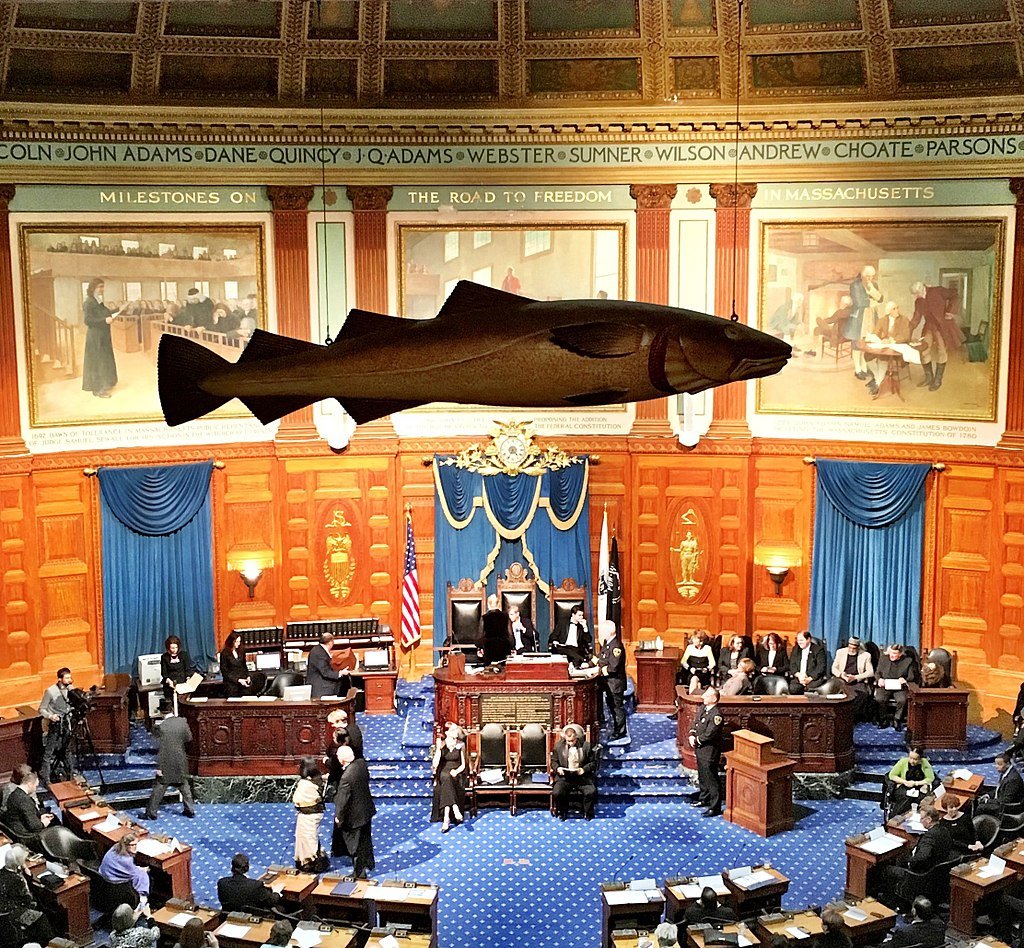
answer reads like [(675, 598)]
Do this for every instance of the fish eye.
[(732, 332)]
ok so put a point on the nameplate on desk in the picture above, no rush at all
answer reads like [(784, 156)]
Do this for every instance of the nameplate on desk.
[(345, 888)]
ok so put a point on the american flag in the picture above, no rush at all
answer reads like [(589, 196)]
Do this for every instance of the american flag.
[(410, 591)]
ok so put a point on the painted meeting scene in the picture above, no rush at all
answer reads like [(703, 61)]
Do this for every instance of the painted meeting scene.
[(896, 318), (97, 299)]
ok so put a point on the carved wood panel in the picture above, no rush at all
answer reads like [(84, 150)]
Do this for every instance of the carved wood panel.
[(21, 651)]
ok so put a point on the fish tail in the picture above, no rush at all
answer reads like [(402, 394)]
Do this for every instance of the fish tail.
[(182, 367)]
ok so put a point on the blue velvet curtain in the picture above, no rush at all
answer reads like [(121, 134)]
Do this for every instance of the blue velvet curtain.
[(868, 543), (551, 526), (157, 561)]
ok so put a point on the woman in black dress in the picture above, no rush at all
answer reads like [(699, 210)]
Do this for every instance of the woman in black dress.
[(449, 777), (238, 680), (174, 666), (99, 372)]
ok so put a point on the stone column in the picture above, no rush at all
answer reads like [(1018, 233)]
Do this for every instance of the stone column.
[(291, 271), (653, 208), (10, 416), (1013, 435), (732, 265)]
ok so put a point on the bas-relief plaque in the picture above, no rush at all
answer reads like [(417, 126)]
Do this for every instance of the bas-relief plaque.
[(692, 554), (516, 709)]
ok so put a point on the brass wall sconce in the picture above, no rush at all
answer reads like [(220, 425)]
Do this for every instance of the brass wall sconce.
[(251, 574), (777, 559), (777, 574)]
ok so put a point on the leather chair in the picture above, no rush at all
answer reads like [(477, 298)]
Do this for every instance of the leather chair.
[(284, 679), (491, 752), (105, 896), (534, 758), (875, 652), (944, 660), (516, 588), (771, 685), (986, 828), (61, 844), (465, 613), (932, 883), (833, 686), (563, 599), (1011, 826)]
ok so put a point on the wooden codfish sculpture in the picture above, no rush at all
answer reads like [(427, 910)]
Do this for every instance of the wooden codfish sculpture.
[(485, 347)]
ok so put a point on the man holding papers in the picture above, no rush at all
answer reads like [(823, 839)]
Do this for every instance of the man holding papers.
[(895, 671)]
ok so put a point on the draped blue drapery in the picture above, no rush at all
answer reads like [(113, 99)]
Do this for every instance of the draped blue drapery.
[(483, 524), (868, 543), (157, 561)]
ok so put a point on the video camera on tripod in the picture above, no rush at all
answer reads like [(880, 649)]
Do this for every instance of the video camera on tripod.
[(80, 702)]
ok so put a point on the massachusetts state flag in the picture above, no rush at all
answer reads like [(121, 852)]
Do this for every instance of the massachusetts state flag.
[(410, 591)]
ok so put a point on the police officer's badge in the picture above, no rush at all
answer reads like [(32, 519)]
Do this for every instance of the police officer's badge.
[(718, 719), (616, 652)]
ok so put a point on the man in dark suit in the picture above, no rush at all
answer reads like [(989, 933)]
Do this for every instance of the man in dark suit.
[(926, 929), (706, 740), (1009, 790), (171, 766), (238, 892), (346, 731), (22, 814), (322, 679), (611, 685), (571, 638), (524, 635), (353, 813), (895, 666), (199, 309), (575, 765), (935, 846), (807, 664), (707, 910), (496, 640)]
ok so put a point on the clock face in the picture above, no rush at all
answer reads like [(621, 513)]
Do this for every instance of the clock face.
[(512, 452)]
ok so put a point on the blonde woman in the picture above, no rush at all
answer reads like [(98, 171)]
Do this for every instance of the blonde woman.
[(449, 777), (308, 800)]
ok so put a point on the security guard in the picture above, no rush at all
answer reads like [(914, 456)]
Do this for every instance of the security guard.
[(706, 740), (612, 684)]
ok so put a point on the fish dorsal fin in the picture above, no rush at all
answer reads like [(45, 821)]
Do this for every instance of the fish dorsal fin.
[(599, 340), (361, 322), (472, 297), (269, 345)]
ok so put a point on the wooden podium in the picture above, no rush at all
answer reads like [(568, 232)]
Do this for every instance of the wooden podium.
[(758, 785)]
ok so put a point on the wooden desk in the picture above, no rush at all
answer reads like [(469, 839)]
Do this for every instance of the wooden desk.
[(816, 731), (67, 792), (21, 740), (809, 921), (656, 679), (163, 917), (256, 931), (695, 939), (967, 890), (758, 785), (764, 899), (937, 717), (353, 906), (1013, 853), (638, 913), (677, 901), (67, 906), (293, 885), (410, 940), (861, 864), (871, 930), (416, 905), (378, 690), (549, 696), (965, 789), (81, 815), (251, 737), (108, 721)]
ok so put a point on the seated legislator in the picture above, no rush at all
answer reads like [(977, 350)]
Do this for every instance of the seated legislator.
[(729, 659), (238, 680), (741, 679), (524, 635), (806, 664), (926, 929), (667, 935), (961, 825), (16, 900), (572, 639), (575, 766), (125, 932), (22, 814), (853, 666), (911, 778), (238, 892), (707, 910), (1009, 790), (323, 680), (696, 667), (174, 667), (935, 846), (897, 669), (496, 640), (834, 932), (449, 769), (771, 658), (118, 865)]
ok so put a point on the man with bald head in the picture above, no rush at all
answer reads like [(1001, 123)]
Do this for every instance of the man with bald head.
[(353, 813)]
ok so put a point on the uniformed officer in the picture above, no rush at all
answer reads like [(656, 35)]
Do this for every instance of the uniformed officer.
[(706, 740), (612, 684)]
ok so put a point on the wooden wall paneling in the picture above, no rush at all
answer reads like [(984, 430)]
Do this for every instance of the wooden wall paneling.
[(246, 526), (416, 488), (782, 518), (69, 579), (21, 649), (967, 587)]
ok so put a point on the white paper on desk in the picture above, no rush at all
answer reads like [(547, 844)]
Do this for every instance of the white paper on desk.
[(745, 938), (914, 825), (239, 698), (642, 885), (940, 791), (391, 893), (110, 823), (797, 933), (836, 697), (389, 941), (855, 914), (713, 882), (201, 700), (877, 833), (306, 937), (181, 919), (153, 847), (274, 698), (892, 684), (962, 774), (231, 930), (87, 815), (624, 897), (493, 775), (994, 867), (690, 890), (755, 880), (277, 887), (740, 873), (885, 843)]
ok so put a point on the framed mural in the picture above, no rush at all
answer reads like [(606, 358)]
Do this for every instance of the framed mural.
[(98, 297), (894, 318)]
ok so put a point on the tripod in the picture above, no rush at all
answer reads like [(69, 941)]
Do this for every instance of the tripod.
[(77, 745)]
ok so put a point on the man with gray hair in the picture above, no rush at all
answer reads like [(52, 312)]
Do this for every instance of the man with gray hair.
[(353, 813), (667, 935), (575, 765)]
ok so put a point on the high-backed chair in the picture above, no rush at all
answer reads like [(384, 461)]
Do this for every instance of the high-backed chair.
[(489, 751), (282, 680), (534, 759), (60, 844), (986, 828), (872, 649), (516, 588), (771, 685), (946, 661), (564, 598), (465, 612)]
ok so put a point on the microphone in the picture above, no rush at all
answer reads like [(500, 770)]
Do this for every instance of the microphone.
[(615, 883)]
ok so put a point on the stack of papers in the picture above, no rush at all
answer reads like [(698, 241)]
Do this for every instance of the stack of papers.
[(232, 930), (794, 931), (153, 847), (392, 893), (692, 890), (994, 867), (855, 914), (912, 824), (87, 815), (110, 823), (181, 919), (962, 774), (493, 775), (755, 880), (643, 885), (746, 940), (879, 841), (632, 896), (197, 700), (389, 941), (306, 937), (892, 684)]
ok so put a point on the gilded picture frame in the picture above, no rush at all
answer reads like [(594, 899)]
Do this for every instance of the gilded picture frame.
[(97, 297), (879, 324)]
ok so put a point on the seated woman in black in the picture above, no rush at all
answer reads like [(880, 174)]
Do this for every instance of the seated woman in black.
[(174, 666), (238, 680)]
